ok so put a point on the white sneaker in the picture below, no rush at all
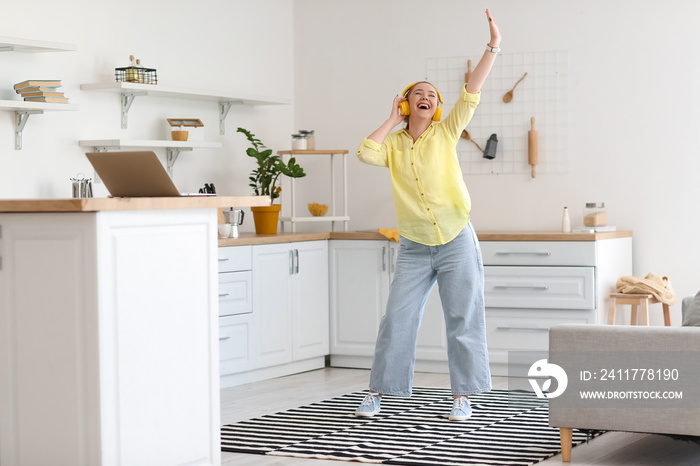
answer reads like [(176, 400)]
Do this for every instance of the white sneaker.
[(461, 409), (369, 406)]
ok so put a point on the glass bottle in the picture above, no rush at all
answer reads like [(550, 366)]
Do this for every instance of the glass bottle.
[(132, 73), (566, 221)]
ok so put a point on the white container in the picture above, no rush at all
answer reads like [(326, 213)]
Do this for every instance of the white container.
[(310, 138), (298, 142)]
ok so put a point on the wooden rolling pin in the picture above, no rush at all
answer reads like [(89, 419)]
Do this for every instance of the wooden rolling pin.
[(468, 74), (532, 146)]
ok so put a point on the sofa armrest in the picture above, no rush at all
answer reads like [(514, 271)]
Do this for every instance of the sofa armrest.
[(685, 304), (575, 346)]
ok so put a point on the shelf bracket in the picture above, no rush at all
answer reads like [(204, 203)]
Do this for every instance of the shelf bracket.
[(127, 99), (171, 154), (21, 117), (224, 107)]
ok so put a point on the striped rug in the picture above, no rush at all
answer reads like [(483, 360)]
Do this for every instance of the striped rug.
[(506, 428)]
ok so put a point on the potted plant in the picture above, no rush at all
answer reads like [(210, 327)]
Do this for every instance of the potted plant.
[(264, 181)]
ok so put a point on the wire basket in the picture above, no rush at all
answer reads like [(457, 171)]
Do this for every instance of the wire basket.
[(136, 74)]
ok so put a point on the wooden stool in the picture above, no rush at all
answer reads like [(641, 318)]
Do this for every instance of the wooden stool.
[(636, 300)]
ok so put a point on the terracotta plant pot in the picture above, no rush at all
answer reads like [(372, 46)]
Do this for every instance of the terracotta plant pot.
[(266, 219)]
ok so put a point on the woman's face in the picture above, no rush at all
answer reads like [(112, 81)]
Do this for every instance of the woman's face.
[(423, 100)]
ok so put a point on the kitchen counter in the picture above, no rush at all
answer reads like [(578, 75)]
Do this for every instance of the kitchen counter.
[(252, 238), (116, 298), (97, 204)]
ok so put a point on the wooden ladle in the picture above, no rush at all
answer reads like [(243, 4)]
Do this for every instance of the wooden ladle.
[(467, 136), (468, 74), (508, 96)]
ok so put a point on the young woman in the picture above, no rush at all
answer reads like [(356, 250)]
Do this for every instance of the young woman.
[(437, 241)]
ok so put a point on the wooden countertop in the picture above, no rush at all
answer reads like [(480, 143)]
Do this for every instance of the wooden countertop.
[(549, 235), (252, 238), (96, 204)]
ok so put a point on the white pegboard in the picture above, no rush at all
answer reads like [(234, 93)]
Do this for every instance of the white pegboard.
[(543, 94)]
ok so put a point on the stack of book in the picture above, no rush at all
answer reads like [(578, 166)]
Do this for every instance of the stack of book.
[(41, 91)]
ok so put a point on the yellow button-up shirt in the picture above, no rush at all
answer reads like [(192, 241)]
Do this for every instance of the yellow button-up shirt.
[(430, 197)]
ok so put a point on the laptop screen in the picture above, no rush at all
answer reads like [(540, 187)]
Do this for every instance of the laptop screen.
[(133, 174)]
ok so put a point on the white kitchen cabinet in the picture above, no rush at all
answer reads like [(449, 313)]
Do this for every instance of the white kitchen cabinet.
[(359, 287), (235, 309), (108, 354), (361, 273), (529, 286), (287, 329), (310, 315), (273, 267)]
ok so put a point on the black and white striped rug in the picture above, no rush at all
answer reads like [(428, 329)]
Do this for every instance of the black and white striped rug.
[(506, 428)]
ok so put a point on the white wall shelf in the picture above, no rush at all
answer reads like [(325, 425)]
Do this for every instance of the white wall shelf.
[(333, 217), (12, 44), (129, 91), (172, 148), (24, 109)]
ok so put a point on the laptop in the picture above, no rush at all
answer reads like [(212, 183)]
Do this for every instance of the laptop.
[(133, 174)]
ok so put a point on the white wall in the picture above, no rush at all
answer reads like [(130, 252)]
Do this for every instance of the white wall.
[(633, 98), (228, 45)]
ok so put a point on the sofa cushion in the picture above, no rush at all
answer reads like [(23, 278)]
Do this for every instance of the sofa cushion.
[(691, 314)]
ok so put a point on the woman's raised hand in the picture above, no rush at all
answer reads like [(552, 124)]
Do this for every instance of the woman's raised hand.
[(493, 28), (396, 116)]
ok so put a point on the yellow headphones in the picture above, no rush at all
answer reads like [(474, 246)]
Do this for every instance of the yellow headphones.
[(406, 110)]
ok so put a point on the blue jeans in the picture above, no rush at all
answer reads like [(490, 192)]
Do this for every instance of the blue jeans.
[(458, 269)]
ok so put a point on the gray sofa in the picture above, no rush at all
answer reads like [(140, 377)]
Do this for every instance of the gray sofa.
[(638, 371)]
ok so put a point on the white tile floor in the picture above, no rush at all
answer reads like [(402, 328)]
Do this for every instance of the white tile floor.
[(270, 396)]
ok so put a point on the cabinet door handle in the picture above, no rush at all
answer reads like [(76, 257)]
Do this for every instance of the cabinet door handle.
[(223, 259), (524, 253), (529, 329), (291, 262), (224, 338), (518, 287), (384, 259), (296, 256), (223, 295)]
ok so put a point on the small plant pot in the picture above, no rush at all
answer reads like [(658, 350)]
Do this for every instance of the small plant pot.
[(179, 135), (266, 219)]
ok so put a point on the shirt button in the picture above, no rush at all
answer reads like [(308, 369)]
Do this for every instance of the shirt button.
[(428, 208)]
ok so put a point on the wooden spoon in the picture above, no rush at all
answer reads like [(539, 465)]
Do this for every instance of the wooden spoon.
[(467, 136), (468, 74), (508, 96)]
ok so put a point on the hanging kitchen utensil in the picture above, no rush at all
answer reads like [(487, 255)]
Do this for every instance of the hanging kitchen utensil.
[(491, 145), (467, 136), (468, 74), (82, 187), (532, 146), (508, 96)]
